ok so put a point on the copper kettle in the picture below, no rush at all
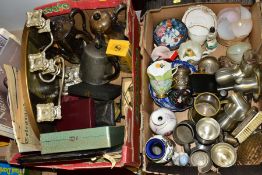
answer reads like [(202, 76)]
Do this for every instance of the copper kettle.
[(101, 21)]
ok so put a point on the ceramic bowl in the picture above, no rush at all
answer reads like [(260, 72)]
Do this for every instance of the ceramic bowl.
[(199, 19), (170, 33), (190, 51)]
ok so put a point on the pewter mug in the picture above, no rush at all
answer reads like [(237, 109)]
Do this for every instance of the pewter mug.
[(223, 155), (234, 112), (207, 130), (207, 104), (184, 134), (200, 157), (96, 68)]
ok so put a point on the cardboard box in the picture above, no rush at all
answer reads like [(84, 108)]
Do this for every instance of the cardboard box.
[(130, 154), (152, 18)]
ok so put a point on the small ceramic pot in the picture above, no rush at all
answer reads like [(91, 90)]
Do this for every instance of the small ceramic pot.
[(160, 77), (162, 121), (190, 51), (159, 149)]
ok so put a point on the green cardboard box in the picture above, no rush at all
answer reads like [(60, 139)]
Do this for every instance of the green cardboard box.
[(82, 139)]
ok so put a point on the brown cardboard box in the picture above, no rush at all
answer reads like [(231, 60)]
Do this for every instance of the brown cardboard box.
[(152, 18), (129, 154)]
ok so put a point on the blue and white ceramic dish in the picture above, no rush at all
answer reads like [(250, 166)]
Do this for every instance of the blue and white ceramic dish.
[(177, 63), (165, 102), (170, 33)]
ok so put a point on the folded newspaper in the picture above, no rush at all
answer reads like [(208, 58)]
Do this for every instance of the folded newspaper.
[(24, 135), (14, 122), (9, 54)]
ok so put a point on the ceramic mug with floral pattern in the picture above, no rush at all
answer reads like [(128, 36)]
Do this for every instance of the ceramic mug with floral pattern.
[(160, 75)]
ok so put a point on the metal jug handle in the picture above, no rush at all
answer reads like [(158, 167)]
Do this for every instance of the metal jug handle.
[(76, 11), (115, 64), (187, 148), (117, 10)]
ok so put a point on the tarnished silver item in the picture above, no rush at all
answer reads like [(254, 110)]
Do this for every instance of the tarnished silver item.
[(71, 77), (37, 62), (208, 64), (245, 78), (181, 78), (48, 112), (35, 19)]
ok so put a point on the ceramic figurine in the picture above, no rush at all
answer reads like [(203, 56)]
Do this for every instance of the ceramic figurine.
[(160, 77), (170, 33), (159, 149), (162, 121), (211, 43)]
